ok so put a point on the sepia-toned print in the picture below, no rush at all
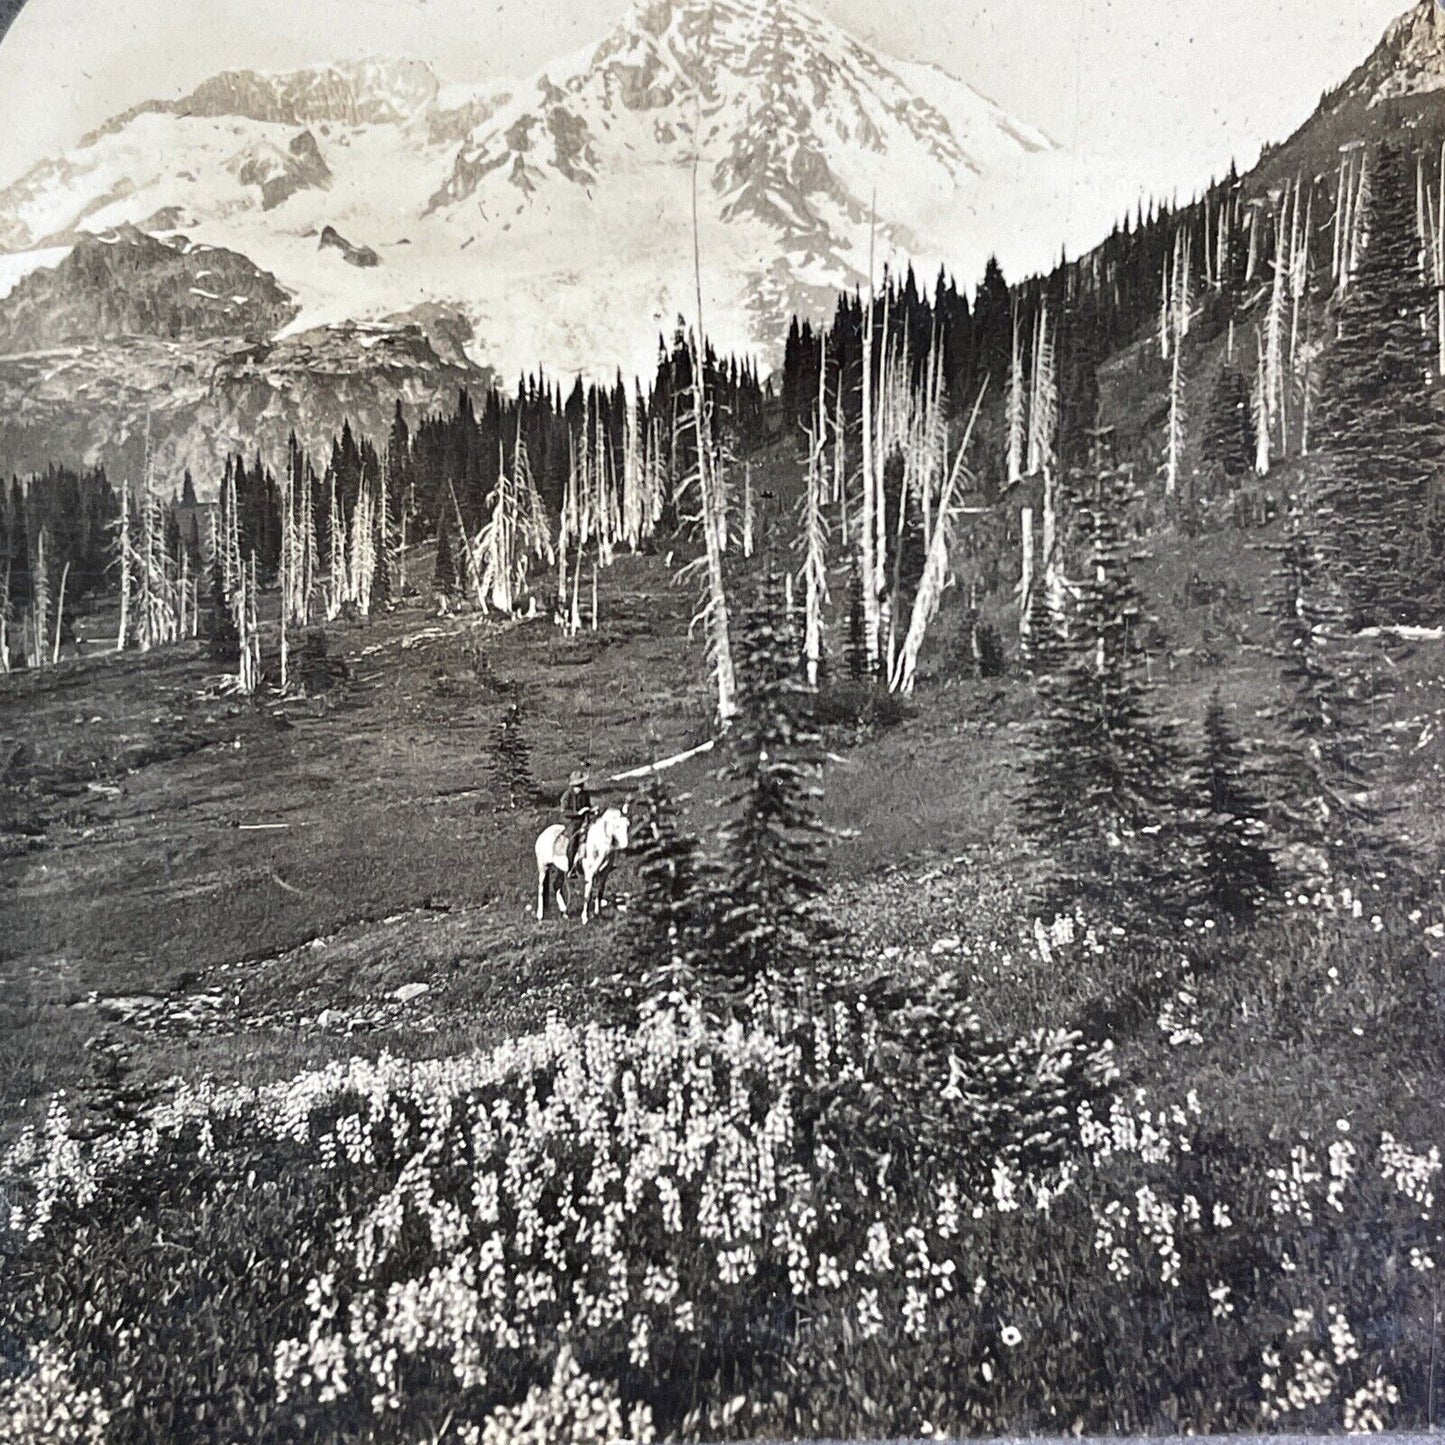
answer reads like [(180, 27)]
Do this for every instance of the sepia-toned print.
[(721, 720)]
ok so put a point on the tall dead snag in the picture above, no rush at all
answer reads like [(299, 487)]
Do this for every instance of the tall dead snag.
[(714, 512), (336, 577), (574, 622), (361, 553), (473, 572), (1026, 568), (287, 567), (935, 571), (1259, 401), (155, 610), (60, 612), (886, 438), (1017, 405), (1043, 454), (37, 648), (659, 480), (249, 676), (1342, 192), (6, 612), (815, 530), (1432, 245), (1299, 274), (1042, 363), (1438, 263), (124, 558), (1251, 263), (517, 530), (868, 563), (1183, 283), (1356, 209), (1174, 455), (634, 490), (1166, 310), (1274, 326)]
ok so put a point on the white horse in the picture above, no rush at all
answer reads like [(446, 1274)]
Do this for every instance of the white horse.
[(607, 834)]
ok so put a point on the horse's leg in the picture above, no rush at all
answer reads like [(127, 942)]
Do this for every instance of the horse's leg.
[(561, 893), (541, 891), (586, 894)]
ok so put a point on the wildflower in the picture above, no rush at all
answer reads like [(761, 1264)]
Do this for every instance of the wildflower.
[(1011, 1335), (1220, 1295), (1364, 1410), (638, 1344), (1003, 1188), (1342, 1339), (870, 1316), (879, 1260), (829, 1274)]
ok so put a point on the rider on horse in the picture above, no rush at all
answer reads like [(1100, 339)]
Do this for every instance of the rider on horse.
[(576, 815)]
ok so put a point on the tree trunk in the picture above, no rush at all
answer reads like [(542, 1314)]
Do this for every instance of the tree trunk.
[(60, 612), (717, 605)]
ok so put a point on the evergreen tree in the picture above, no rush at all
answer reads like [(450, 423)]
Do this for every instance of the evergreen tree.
[(1044, 647), (1237, 873), (1377, 440), (855, 647), (992, 659), (772, 846), (224, 633), (444, 580), (1228, 439), (398, 465), (1104, 773), (909, 561), (664, 919), (512, 757), (1329, 754)]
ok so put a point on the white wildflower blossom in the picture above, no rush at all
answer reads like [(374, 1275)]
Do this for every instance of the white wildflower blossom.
[(1365, 1410), (870, 1315), (915, 1312)]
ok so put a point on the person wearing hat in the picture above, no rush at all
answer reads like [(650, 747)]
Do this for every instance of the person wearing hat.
[(576, 814)]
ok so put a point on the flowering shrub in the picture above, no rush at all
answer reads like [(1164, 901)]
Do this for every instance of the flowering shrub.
[(45, 1404), (856, 1217), (573, 1410)]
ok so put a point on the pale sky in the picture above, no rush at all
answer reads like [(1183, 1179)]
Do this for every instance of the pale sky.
[(1174, 91)]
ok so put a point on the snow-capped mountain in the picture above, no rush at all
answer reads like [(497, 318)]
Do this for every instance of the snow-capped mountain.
[(797, 133), (557, 214)]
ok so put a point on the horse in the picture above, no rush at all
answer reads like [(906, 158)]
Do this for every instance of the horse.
[(607, 834)]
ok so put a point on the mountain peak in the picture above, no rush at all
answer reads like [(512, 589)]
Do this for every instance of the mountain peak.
[(1411, 58), (372, 91)]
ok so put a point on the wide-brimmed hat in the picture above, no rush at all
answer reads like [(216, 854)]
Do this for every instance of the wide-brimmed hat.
[(578, 776)]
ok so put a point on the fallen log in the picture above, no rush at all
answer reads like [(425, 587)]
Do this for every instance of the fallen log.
[(664, 764)]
